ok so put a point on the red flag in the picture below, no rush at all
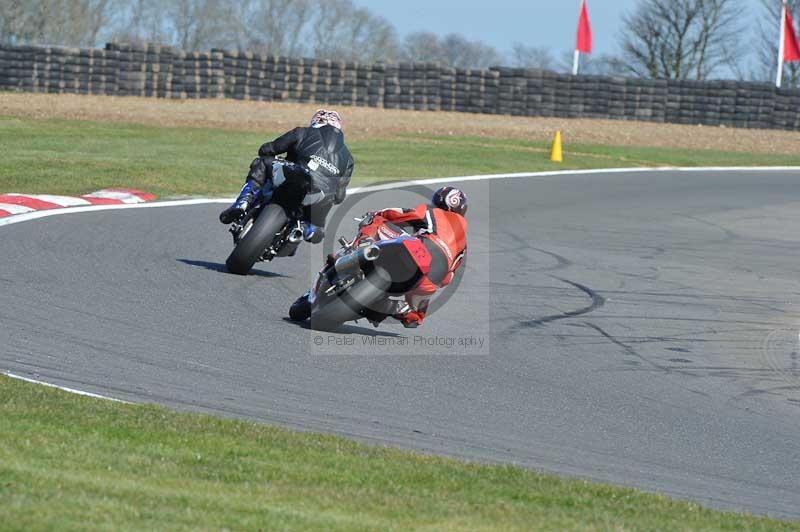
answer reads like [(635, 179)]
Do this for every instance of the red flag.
[(791, 45), (584, 44)]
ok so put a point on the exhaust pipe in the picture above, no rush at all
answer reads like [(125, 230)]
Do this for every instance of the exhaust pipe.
[(293, 240), (355, 260), (295, 236), (371, 253)]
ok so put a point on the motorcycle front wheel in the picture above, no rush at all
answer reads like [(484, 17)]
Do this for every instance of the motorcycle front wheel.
[(349, 305)]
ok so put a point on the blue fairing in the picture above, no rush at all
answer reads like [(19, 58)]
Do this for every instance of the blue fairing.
[(394, 241), (266, 192)]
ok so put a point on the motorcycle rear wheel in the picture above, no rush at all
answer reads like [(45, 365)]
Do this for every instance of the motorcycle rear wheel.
[(250, 248)]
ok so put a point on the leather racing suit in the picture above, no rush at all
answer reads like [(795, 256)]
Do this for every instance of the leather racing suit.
[(444, 235)]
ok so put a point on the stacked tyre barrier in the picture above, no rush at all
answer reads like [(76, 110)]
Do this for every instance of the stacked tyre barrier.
[(58, 70), (156, 71)]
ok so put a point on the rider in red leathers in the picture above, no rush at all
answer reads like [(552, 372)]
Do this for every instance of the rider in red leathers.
[(442, 228)]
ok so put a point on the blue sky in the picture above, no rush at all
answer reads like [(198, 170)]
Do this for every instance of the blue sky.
[(501, 23)]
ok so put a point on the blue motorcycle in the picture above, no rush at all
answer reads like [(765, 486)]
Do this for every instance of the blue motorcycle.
[(273, 226)]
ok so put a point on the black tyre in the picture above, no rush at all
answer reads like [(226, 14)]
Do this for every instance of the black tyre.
[(248, 250), (349, 305)]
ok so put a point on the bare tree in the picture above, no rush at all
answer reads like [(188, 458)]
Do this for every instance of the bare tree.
[(604, 65), (194, 24), (63, 22), (333, 29), (767, 47), (460, 52), (17, 21), (279, 24), (422, 46), (98, 19), (594, 64), (532, 57), (141, 21), (269, 26), (453, 50), (234, 32), (457, 51), (682, 39), (340, 30), (75, 22)]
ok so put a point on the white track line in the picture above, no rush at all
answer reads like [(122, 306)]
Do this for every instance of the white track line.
[(64, 388), (491, 177), (361, 190), (402, 184)]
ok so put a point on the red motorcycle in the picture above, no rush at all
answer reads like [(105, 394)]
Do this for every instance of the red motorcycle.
[(366, 277)]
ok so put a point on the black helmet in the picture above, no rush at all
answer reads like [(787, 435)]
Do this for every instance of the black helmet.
[(450, 199)]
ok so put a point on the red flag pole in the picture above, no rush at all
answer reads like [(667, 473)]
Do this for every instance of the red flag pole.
[(577, 57), (781, 45), (583, 41)]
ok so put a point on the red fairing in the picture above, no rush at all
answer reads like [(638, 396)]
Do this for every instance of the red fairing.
[(418, 252), (371, 230), (377, 230)]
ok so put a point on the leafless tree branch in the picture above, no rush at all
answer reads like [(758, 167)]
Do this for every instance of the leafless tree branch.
[(682, 39)]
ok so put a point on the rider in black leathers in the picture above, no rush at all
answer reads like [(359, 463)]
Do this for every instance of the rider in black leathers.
[(318, 150)]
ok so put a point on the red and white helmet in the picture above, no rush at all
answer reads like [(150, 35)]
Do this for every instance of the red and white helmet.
[(450, 199), (324, 117)]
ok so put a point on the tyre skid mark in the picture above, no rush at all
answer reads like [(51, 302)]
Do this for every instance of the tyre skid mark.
[(625, 347), (523, 245), (628, 350), (597, 302)]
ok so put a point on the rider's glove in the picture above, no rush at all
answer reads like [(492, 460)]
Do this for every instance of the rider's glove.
[(367, 219), (266, 150)]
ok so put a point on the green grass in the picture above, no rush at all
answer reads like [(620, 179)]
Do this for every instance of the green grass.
[(76, 157), (72, 463)]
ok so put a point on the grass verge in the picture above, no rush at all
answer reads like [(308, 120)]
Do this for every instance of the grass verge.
[(76, 157), (71, 463)]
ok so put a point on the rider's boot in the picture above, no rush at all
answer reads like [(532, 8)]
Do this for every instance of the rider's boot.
[(242, 203), (380, 310), (313, 233), (300, 309)]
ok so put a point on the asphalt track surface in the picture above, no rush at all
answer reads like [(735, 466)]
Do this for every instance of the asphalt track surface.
[(638, 328)]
